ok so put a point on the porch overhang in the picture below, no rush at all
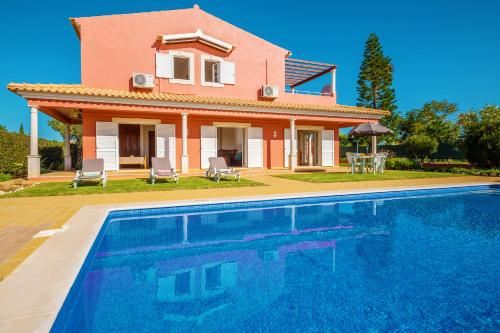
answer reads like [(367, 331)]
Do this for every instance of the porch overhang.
[(67, 97)]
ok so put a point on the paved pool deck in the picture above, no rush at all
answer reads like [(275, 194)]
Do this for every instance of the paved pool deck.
[(22, 218)]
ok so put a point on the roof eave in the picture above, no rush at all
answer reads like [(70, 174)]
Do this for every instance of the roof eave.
[(76, 26)]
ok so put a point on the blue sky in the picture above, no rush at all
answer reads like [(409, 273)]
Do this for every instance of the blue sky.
[(440, 49)]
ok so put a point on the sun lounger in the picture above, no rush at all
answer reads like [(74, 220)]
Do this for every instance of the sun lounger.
[(218, 169), (161, 168), (91, 169)]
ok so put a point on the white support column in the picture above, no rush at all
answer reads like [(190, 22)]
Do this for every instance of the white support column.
[(374, 144), (310, 150), (67, 149), (34, 158), (293, 146), (184, 158), (334, 89)]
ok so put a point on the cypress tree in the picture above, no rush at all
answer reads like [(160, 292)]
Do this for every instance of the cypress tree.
[(375, 82), (21, 129)]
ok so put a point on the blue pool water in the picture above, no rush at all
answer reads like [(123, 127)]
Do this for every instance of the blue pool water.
[(414, 261)]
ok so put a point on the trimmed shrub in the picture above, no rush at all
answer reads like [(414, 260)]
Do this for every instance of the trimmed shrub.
[(400, 163)]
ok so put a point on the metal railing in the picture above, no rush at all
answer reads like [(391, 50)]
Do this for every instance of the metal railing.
[(305, 92)]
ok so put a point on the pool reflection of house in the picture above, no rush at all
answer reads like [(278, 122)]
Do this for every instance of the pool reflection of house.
[(199, 268)]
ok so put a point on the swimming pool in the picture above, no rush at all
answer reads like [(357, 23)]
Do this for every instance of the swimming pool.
[(421, 260)]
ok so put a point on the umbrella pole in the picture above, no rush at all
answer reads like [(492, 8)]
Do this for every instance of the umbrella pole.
[(357, 142)]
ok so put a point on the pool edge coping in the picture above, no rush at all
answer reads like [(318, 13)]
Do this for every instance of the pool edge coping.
[(44, 279)]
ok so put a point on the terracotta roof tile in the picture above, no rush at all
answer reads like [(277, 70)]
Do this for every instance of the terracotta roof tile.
[(77, 89)]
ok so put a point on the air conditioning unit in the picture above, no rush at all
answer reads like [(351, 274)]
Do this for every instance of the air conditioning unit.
[(140, 80), (269, 91)]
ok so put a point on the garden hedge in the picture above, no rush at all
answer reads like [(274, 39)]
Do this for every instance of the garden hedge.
[(14, 148)]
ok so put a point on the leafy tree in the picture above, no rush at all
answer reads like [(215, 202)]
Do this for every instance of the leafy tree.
[(432, 120), (75, 130), (21, 129), (3, 128), (421, 146), (375, 83), (481, 136), (345, 140), (75, 138)]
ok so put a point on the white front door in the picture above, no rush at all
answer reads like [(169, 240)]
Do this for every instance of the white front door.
[(208, 144), (327, 142), (165, 142), (255, 148), (107, 144)]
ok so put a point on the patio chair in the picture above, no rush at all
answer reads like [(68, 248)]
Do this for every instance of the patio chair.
[(353, 162), (91, 169), (218, 168), (379, 162), (161, 168)]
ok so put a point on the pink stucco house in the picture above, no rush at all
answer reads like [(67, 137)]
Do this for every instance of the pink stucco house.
[(187, 85)]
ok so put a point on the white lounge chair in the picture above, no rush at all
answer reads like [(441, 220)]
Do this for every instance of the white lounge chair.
[(91, 169), (161, 168), (218, 168)]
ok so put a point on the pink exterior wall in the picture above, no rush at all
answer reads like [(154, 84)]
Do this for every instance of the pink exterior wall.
[(113, 47), (273, 147)]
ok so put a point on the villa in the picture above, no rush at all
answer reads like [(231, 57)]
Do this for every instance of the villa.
[(187, 85), (320, 250)]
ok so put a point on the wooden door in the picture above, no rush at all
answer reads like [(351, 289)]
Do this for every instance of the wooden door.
[(130, 140), (151, 146)]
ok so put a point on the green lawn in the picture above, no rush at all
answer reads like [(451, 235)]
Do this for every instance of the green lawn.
[(127, 185), (348, 177)]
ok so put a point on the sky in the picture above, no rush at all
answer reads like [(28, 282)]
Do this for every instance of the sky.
[(440, 49)]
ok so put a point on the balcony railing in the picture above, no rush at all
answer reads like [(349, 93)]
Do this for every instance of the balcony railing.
[(305, 92)]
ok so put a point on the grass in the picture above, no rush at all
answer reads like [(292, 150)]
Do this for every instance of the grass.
[(127, 185), (348, 177)]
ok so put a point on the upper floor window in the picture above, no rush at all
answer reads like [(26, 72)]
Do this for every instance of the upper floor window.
[(181, 68), (177, 66), (215, 71), (212, 73)]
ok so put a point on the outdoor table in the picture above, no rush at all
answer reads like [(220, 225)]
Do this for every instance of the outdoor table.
[(363, 159)]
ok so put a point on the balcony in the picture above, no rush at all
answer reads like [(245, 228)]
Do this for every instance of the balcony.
[(299, 72)]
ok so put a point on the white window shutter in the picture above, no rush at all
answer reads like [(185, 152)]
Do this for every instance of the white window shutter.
[(164, 65), (286, 142), (327, 148), (228, 72), (255, 147), (208, 144), (165, 142), (107, 144)]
